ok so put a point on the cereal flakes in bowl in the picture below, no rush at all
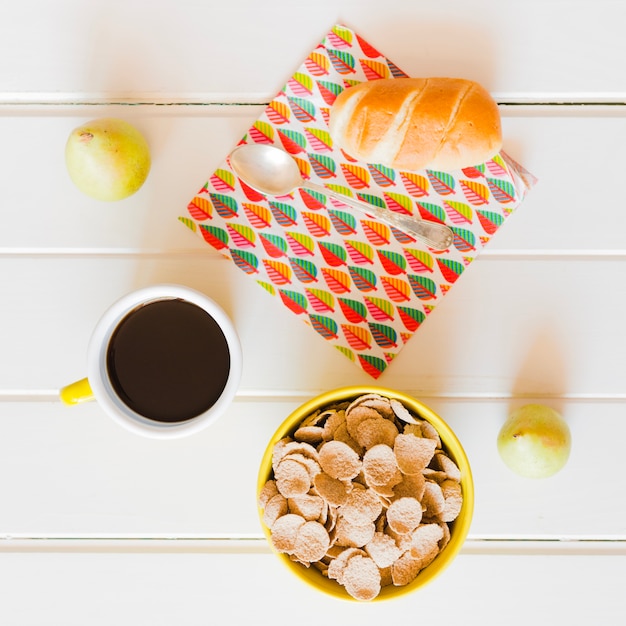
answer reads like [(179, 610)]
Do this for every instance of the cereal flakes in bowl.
[(364, 493)]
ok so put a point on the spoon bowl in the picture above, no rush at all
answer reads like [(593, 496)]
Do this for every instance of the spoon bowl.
[(267, 169), (274, 172)]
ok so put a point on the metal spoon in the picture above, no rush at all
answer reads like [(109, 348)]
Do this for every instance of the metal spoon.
[(273, 171)]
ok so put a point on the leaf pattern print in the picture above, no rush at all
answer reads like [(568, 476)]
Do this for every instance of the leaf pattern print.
[(385, 336), (349, 354), (397, 290), (200, 209), (371, 199), (325, 326), (293, 141), (245, 261), (358, 337), (476, 193), (317, 224), (490, 221), (241, 235), (367, 49), (189, 223), (251, 194), (363, 286), (303, 110), (419, 260), (285, 214), (267, 286), (344, 223), (303, 165), (356, 176), (215, 236), (425, 288), (323, 166), (313, 200), (459, 212), (415, 184), (374, 69), (337, 280), (321, 301), (360, 252), (431, 211), (317, 64), (343, 62), (396, 72), (328, 91), (464, 239), (392, 262), (450, 269), (278, 112), (223, 180), (258, 215), (354, 310), (279, 273), (226, 206), (383, 176), (496, 166), (377, 233), (262, 132), (274, 245), (379, 308), (340, 37), (364, 279), (399, 203), (473, 172), (304, 270), (373, 365), (334, 254), (442, 182), (411, 317), (300, 84), (300, 243), (294, 301), (319, 139), (502, 190)]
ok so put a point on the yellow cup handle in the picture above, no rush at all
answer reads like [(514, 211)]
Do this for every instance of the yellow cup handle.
[(77, 392)]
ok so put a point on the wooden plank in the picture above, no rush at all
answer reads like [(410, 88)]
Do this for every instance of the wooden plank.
[(73, 473), (567, 212), (100, 526), (45, 211), (536, 49), (505, 327), (193, 588)]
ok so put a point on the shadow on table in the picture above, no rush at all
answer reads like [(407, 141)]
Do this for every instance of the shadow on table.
[(543, 371)]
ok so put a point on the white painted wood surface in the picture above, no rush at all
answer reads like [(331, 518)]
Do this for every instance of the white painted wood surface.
[(99, 526)]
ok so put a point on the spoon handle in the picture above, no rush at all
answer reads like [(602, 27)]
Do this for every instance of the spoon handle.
[(437, 236)]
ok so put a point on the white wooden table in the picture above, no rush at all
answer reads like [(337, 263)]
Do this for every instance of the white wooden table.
[(100, 526)]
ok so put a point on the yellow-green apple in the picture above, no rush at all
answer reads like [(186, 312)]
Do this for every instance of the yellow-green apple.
[(535, 441), (107, 158)]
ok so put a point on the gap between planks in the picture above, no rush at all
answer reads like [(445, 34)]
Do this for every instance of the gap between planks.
[(301, 395), (214, 104), (201, 253), (259, 545)]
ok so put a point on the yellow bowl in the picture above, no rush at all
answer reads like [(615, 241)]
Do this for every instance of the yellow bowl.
[(458, 529)]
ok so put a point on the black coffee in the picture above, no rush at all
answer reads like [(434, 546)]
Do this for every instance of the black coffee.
[(168, 360)]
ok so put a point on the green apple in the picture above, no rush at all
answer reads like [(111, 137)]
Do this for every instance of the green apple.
[(535, 441), (107, 158)]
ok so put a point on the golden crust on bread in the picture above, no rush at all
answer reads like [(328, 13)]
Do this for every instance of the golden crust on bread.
[(416, 123)]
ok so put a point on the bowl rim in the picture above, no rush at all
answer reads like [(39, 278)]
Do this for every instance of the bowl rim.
[(450, 442)]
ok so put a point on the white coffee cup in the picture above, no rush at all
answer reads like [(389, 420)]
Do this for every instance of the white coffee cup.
[(103, 386)]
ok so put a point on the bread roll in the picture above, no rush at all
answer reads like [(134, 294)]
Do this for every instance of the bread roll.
[(417, 123)]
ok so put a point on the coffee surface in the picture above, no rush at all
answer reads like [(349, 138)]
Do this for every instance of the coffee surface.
[(168, 360)]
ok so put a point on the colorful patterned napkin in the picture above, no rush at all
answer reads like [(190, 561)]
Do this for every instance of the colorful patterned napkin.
[(364, 287)]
